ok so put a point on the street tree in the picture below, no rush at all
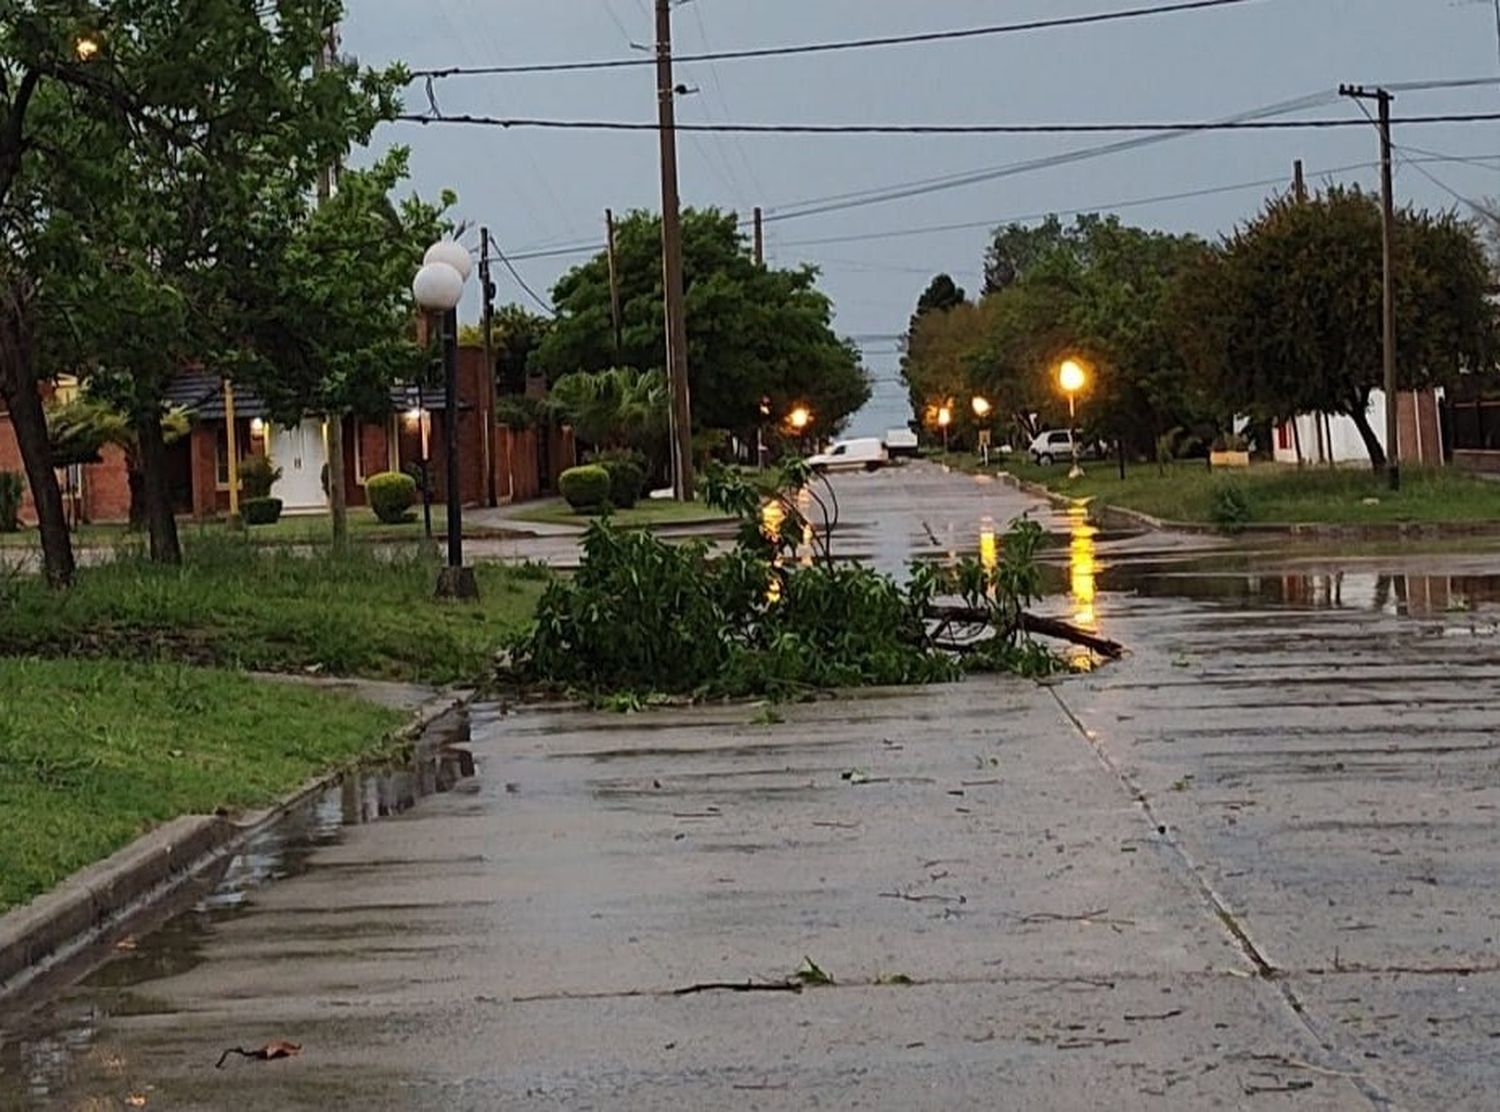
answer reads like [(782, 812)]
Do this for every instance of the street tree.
[(200, 123), (753, 331), (1285, 317), (515, 335)]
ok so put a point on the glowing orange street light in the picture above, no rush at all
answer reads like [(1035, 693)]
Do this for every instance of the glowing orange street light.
[(945, 418), (1072, 377), (800, 418), (85, 48), (982, 408)]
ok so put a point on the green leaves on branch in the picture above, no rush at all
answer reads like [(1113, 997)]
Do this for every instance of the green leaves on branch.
[(643, 615)]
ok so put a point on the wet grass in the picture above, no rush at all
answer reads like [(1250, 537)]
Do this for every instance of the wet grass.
[(644, 515), (1278, 494), (234, 605), (95, 753)]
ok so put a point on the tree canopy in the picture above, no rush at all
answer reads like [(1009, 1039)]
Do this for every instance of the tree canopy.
[(1285, 317), (1093, 290), (753, 331)]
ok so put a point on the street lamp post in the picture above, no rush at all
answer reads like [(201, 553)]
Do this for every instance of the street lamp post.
[(945, 418), (438, 288), (982, 410), (1072, 377), (419, 416)]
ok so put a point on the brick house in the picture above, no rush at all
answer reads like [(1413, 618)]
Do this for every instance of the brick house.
[(497, 464), (93, 490)]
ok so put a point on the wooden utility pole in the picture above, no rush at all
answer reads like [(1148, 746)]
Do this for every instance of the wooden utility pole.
[(614, 282), (760, 237), (487, 418), (338, 506), (1299, 183), (1388, 250), (671, 243)]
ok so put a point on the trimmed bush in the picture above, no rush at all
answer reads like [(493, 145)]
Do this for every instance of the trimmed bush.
[(392, 495), (261, 511), (1230, 509), (586, 488), (627, 480), (257, 476), (12, 488), (416, 474)]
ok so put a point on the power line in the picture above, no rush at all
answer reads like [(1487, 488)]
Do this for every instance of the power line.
[(1176, 127), (542, 302), (841, 45)]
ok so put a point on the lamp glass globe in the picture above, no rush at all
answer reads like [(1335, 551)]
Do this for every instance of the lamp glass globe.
[(438, 287), (454, 254)]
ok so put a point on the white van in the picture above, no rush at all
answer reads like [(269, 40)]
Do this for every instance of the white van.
[(864, 454)]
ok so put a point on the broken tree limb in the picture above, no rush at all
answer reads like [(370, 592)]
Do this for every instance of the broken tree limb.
[(1031, 623)]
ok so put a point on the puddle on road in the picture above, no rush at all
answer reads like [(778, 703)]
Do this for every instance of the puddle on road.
[(47, 1032)]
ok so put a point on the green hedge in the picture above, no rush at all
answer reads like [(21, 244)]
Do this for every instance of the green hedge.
[(261, 511), (392, 495), (586, 488)]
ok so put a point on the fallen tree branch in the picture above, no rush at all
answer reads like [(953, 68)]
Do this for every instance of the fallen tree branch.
[(739, 986), (1031, 623)]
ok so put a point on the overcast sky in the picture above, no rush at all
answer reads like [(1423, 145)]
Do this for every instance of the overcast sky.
[(543, 189)]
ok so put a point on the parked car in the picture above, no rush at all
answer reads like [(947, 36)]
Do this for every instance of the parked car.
[(864, 454), (1056, 446), (902, 444)]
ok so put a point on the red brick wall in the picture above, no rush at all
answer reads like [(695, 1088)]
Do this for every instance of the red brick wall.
[(106, 487), (205, 478), (1420, 428)]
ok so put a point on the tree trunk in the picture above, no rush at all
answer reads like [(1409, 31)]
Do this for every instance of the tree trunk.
[(1359, 415), (161, 524), (19, 388), (337, 496), (137, 485)]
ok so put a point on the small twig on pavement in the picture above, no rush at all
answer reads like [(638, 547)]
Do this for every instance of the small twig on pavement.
[(739, 986), (1175, 1012), (924, 899)]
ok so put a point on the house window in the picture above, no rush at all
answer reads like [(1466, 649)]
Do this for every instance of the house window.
[(359, 452)]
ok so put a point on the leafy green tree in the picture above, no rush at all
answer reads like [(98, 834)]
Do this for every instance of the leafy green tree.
[(516, 334), (752, 331), (198, 150), (1015, 248), (81, 429), (617, 408), (1286, 317)]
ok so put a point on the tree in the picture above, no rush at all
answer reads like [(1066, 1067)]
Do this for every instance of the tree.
[(752, 331), (81, 429), (617, 408), (515, 335), (327, 316), (196, 154), (1286, 317), (1015, 248)]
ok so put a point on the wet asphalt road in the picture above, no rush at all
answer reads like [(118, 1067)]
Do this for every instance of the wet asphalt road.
[(1253, 865)]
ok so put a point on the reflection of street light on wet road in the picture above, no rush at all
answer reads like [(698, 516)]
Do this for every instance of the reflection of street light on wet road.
[(1072, 378), (1082, 568)]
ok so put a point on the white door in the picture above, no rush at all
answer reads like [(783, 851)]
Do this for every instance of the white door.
[(300, 453)]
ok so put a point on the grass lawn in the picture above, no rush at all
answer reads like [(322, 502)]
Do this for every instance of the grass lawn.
[(95, 753), (1280, 494), (291, 529), (235, 605), (647, 512)]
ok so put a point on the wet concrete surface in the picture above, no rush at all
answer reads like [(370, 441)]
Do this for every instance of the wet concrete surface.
[(1253, 865)]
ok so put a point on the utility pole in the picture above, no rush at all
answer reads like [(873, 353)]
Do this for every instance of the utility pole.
[(338, 506), (487, 418), (1388, 240), (614, 282), (760, 238), (671, 242), (1299, 183)]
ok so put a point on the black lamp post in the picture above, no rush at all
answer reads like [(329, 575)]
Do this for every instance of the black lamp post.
[(438, 288)]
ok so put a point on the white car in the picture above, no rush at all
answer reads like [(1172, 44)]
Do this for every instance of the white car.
[(865, 454), (1056, 446)]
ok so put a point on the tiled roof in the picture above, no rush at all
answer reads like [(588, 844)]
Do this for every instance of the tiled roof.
[(202, 394)]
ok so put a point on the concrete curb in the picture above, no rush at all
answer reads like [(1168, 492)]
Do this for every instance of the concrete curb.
[(1110, 516), (102, 897)]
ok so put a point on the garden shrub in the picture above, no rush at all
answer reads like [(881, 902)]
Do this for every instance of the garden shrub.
[(257, 476), (627, 478), (12, 489), (261, 511), (391, 495), (1230, 507), (586, 488)]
